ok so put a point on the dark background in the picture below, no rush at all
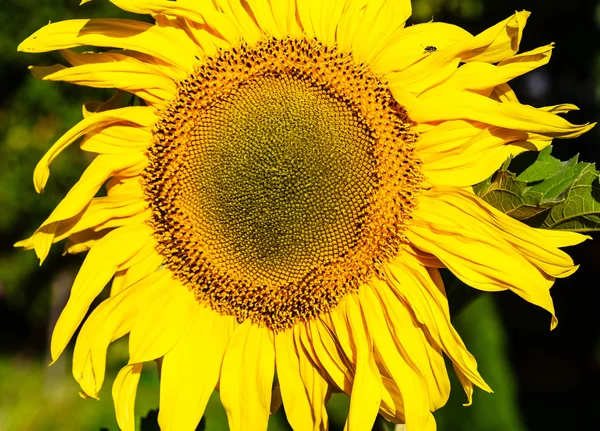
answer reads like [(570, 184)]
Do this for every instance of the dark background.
[(542, 380)]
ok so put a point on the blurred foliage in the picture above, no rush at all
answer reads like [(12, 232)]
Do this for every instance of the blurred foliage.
[(487, 341), (34, 113)]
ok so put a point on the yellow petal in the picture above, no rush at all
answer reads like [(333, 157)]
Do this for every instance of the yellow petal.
[(466, 383), (498, 42), (101, 168), (503, 93), (376, 23), (510, 115), (409, 46), (155, 7), (112, 319), (424, 76), (101, 229), (337, 327), (560, 238), (161, 322), (367, 387), (298, 406), (479, 76), (202, 32), (316, 386), (123, 392), (99, 212), (486, 248), (82, 241), (403, 355), (134, 114), (284, 13), (247, 377), (413, 284), (305, 14), (118, 71), (218, 31), (325, 17), (108, 256), (125, 278), (190, 371), (321, 348), (237, 13), (493, 45), (118, 33), (461, 154), (261, 9), (91, 107)]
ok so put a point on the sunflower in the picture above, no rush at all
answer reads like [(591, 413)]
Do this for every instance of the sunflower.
[(279, 205)]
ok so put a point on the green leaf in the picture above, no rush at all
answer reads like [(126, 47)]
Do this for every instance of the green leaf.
[(580, 211), (546, 192)]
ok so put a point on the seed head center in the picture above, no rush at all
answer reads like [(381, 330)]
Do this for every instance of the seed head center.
[(282, 175)]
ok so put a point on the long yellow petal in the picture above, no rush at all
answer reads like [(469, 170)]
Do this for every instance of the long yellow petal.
[(532, 243), (161, 322), (460, 153), (114, 210), (115, 33), (118, 71), (82, 241), (155, 7), (560, 238), (201, 16), (479, 76), (498, 42), (284, 13), (263, 13), (112, 319), (304, 13), (470, 106), (377, 22), (297, 404), (108, 256), (127, 277), (367, 386), (413, 284), (190, 371), (134, 114), (101, 168), (237, 14), (408, 47), (316, 386), (326, 19), (321, 348), (99, 212), (470, 237), (409, 365), (493, 45), (247, 377), (123, 392)]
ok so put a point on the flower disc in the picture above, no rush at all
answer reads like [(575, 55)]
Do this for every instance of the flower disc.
[(279, 186)]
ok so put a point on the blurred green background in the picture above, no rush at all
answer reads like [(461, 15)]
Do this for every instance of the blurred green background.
[(542, 380)]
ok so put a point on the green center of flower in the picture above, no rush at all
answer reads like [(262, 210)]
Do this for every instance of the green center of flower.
[(280, 178)]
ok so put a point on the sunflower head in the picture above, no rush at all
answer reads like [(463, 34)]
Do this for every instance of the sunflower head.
[(281, 178), (283, 198)]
